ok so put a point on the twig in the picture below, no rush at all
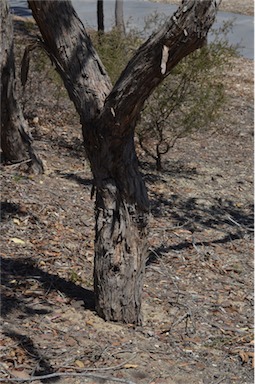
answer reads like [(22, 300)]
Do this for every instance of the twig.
[(220, 381), (239, 225), (167, 269), (112, 367), (84, 373), (175, 227), (66, 374), (195, 246), (19, 163), (223, 328), (178, 321)]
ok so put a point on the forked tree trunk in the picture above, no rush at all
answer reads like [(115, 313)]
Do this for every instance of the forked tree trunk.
[(108, 118), (16, 143)]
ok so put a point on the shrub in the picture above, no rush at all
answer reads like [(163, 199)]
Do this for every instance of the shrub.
[(116, 49), (188, 100)]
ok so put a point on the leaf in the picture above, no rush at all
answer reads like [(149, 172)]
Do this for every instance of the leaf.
[(130, 366), (16, 221), (79, 363), (20, 374), (16, 240), (252, 356), (245, 356), (90, 322)]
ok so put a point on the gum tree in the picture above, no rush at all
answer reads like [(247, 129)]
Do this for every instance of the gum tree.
[(109, 115)]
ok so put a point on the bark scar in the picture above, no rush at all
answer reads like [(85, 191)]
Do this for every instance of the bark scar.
[(165, 52)]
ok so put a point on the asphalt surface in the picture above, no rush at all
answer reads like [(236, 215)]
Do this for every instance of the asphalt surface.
[(135, 12)]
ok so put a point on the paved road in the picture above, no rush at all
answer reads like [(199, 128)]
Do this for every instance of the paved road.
[(136, 10)]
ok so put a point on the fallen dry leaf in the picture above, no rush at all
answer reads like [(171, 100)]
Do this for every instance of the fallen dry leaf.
[(245, 355), (79, 363), (128, 366), (20, 374), (17, 241), (17, 221)]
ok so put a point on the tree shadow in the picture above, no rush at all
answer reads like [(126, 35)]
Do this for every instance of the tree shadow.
[(210, 214), (16, 276), (43, 367), (226, 217), (74, 146), (218, 213), (162, 250), (76, 178), (9, 303), (24, 269), (9, 210), (172, 168)]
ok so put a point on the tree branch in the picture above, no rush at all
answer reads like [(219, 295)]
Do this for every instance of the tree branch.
[(185, 32), (84, 75), (65, 374), (72, 51)]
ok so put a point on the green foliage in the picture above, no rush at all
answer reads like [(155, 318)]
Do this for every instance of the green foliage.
[(74, 277), (116, 49), (188, 100)]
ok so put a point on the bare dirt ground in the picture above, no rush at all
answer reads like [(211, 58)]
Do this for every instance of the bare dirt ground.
[(197, 300)]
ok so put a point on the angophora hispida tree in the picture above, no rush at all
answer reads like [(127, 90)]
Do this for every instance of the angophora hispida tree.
[(108, 116)]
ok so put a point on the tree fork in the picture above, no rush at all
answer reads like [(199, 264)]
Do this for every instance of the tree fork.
[(108, 117)]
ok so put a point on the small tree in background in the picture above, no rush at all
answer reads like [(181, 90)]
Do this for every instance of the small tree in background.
[(100, 17), (119, 16), (188, 101)]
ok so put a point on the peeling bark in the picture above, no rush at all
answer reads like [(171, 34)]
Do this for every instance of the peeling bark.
[(16, 143), (108, 116)]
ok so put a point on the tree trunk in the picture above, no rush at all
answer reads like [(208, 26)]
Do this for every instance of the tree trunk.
[(121, 231), (119, 16), (16, 143), (100, 16), (108, 117)]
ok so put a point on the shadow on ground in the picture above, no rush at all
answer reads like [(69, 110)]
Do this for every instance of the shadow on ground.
[(20, 270), (16, 277)]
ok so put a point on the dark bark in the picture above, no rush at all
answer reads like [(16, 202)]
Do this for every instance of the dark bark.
[(119, 16), (121, 233), (108, 120), (16, 143), (100, 16)]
